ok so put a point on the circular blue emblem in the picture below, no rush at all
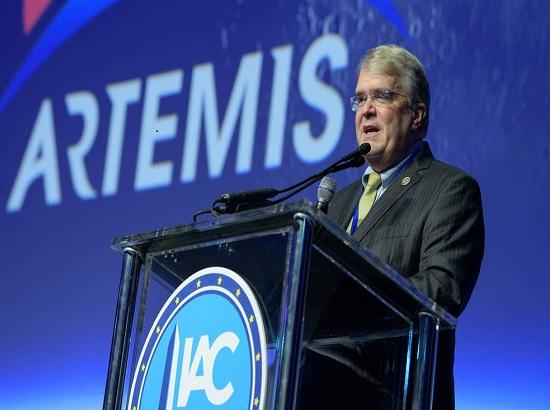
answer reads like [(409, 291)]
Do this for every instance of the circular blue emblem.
[(206, 348)]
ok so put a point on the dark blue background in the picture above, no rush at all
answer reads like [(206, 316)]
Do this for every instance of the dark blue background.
[(487, 62)]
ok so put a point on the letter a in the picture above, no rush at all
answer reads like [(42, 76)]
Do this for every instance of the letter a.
[(39, 160)]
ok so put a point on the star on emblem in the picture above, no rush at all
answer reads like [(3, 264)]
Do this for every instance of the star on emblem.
[(177, 301), (142, 367), (258, 356), (251, 319), (219, 280), (238, 292), (198, 283), (256, 401), (157, 330)]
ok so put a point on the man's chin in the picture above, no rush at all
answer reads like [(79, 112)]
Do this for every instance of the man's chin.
[(373, 153), (374, 158)]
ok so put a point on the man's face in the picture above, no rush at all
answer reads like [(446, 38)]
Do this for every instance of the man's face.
[(390, 128)]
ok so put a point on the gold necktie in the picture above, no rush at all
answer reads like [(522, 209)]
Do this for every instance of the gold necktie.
[(367, 199)]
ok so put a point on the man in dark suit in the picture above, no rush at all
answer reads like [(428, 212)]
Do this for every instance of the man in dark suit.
[(420, 216)]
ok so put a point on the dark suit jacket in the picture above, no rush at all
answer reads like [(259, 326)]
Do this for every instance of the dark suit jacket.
[(429, 229)]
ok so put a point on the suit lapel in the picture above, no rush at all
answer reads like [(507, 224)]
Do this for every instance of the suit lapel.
[(350, 201), (404, 181)]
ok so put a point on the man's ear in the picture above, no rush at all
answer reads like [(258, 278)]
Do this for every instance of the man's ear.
[(419, 115)]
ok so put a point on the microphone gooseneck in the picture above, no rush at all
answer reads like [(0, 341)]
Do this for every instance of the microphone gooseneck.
[(256, 198)]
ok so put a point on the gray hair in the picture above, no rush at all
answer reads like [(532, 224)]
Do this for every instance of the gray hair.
[(394, 60)]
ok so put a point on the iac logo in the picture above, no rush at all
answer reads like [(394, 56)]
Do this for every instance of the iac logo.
[(189, 380), (206, 348)]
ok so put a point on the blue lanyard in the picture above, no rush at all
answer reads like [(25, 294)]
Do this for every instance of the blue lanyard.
[(355, 218)]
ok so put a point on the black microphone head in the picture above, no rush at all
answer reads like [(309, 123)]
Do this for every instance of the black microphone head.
[(364, 148), (325, 192), (357, 152)]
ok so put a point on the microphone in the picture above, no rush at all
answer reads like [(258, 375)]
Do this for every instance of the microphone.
[(239, 201), (254, 195), (353, 159), (325, 193), (357, 152), (352, 163)]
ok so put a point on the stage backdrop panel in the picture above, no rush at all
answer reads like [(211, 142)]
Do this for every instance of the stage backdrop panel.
[(124, 116)]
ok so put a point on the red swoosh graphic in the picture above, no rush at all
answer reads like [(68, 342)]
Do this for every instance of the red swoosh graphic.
[(32, 11)]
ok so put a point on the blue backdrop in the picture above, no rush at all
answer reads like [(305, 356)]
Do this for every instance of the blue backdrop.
[(124, 116)]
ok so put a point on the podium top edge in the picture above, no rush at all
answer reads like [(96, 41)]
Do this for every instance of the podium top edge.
[(120, 243)]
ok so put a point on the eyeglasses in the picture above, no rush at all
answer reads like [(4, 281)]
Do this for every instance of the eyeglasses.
[(378, 98)]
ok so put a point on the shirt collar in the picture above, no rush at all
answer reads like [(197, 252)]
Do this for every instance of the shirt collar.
[(389, 174)]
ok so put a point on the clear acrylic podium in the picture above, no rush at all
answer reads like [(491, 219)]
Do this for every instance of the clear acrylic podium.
[(343, 329)]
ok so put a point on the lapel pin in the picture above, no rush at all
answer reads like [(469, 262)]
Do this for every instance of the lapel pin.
[(405, 181)]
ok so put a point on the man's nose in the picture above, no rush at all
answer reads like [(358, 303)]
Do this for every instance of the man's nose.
[(367, 109)]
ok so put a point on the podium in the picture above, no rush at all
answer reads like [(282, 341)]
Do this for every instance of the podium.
[(274, 308)]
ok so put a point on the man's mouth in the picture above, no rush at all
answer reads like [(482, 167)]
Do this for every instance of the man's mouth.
[(369, 130)]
